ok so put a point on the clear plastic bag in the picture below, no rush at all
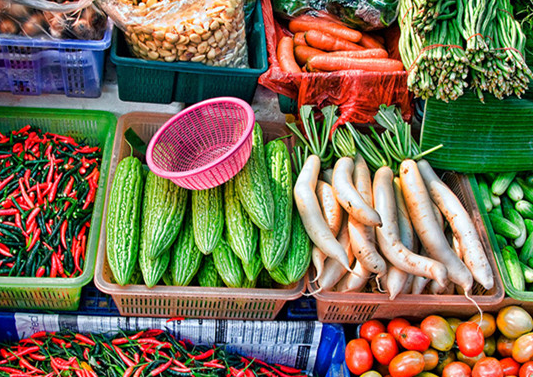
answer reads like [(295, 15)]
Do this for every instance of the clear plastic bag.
[(206, 31), (49, 19)]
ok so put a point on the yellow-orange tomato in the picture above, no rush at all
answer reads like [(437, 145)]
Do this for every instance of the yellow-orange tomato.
[(439, 332), (523, 348), (431, 359), (371, 373), (504, 346), (454, 323), (513, 321), (470, 361), (488, 325), (490, 346)]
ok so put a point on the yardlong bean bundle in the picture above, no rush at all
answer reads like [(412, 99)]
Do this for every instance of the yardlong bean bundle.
[(48, 185), (432, 11)]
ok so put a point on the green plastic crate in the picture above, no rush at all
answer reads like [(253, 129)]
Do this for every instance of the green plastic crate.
[(96, 127), (287, 105), (160, 82), (506, 279)]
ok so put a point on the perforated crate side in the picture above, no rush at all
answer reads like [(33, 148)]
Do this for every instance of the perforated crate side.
[(30, 298)]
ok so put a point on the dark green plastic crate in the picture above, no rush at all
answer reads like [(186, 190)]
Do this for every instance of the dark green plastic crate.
[(160, 82), (287, 105)]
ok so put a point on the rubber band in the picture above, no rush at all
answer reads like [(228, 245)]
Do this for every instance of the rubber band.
[(476, 35), (510, 48), (406, 13), (506, 11), (431, 47)]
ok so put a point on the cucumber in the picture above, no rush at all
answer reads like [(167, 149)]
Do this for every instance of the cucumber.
[(207, 218), (497, 210), (515, 192), (123, 219), (528, 272), (528, 189), (490, 177), (503, 226), (485, 194), (502, 241), (529, 226), (502, 182), (529, 180), (495, 199), (525, 208), (512, 264), (507, 205), (526, 252), (512, 215)]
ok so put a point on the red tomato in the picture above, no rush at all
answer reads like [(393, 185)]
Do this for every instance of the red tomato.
[(469, 338), (504, 346), (414, 339), (370, 329), (396, 326), (359, 356), (526, 370), (384, 348), (457, 369), (509, 366), (407, 364), (487, 367)]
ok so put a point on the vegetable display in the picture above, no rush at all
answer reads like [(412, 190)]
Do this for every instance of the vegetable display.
[(491, 345), (321, 45), (150, 352), (48, 185), (508, 200), (390, 212), (448, 46), (223, 236)]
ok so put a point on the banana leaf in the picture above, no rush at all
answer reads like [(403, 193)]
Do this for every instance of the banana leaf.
[(495, 136)]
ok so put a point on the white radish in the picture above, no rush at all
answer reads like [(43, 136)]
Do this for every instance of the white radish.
[(396, 280), (354, 282), (331, 209), (348, 197), (463, 228), (333, 270), (426, 226), (318, 258), (363, 237), (458, 251), (408, 286), (436, 289), (311, 215), (420, 282), (438, 215), (388, 234)]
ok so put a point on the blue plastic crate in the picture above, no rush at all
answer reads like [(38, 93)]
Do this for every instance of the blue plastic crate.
[(32, 66), (303, 309)]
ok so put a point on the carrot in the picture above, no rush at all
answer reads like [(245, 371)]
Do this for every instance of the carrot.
[(285, 56), (429, 232), (348, 197), (328, 42), (307, 23), (299, 39), (369, 41), (463, 228), (377, 53), (302, 53), (339, 63), (315, 225)]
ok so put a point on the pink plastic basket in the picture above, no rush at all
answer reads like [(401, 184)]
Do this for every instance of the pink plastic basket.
[(204, 145)]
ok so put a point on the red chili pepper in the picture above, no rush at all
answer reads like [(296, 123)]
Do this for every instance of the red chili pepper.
[(26, 365), (234, 372), (157, 371), (69, 185), (53, 269), (41, 334), (31, 217), (83, 247), (137, 358), (129, 371), (87, 149), (267, 372), (9, 370), (35, 238), (175, 319), (6, 181), (76, 251), (202, 356), (179, 363), (40, 272), (53, 191), (86, 354), (27, 175), (212, 364), (22, 130), (107, 346), (5, 253), (37, 357), (139, 371), (63, 233), (8, 212), (119, 341), (24, 352), (287, 369), (152, 333), (24, 194), (180, 370), (123, 357), (89, 198), (155, 342), (84, 339)]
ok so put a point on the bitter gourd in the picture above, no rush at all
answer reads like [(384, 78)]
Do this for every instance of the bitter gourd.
[(241, 233), (185, 255), (253, 187), (123, 219), (163, 207), (208, 275), (153, 269), (252, 270), (273, 244), (228, 265), (207, 218)]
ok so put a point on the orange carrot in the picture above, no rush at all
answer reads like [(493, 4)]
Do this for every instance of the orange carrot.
[(328, 42), (379, 38), (302, 53), (306, 23), (338, 63), (369, 41), (299, 39), (376, 53), (285, 56)]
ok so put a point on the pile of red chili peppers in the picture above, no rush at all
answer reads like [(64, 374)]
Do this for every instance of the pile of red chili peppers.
[(48, 184), (146, 353)]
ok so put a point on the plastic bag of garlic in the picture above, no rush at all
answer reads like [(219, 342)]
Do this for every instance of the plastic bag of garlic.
[(206, 31), (54, 19)]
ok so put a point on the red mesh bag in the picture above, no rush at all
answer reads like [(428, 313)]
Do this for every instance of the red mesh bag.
[(357, 93)]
